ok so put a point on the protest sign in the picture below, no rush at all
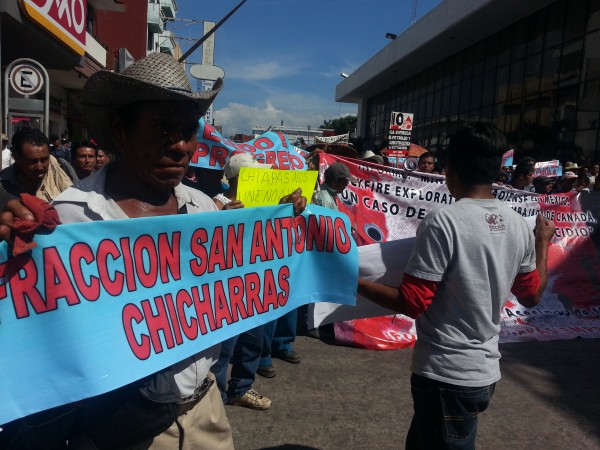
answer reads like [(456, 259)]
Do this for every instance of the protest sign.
[(339, 139), (548, 169), (274, 148), (401, 125), (261, 187), (507, 158), (96, 306), (385, 207)]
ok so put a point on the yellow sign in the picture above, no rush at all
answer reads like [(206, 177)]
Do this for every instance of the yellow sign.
[(262, 187)]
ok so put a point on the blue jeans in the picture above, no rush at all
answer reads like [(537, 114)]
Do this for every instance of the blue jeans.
[(445, 415), (278, 337), (244, 353)]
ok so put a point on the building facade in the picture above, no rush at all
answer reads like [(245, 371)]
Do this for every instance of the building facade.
[(531, 68), (71, 40), (138, 31)]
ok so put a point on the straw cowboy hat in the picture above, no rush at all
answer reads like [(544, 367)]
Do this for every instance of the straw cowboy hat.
[(157, 77), (571, 166)]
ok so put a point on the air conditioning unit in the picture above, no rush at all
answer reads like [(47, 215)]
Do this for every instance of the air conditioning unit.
[(125, 59)]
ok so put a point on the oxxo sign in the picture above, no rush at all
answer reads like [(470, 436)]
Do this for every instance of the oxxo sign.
[(64, 19)]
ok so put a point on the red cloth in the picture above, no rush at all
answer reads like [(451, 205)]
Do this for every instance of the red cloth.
[(417, 294), (526, 284), (44, 216)]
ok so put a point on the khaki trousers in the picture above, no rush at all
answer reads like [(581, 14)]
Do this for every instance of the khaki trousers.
[(204, 427)]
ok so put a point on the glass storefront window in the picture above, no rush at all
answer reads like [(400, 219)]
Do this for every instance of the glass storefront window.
[(515, 86), (476, 88), (491, 52), (550, 64), (535, 40), (533, 68), (504, 46), (554, 24), (575, 21), (543, 70), (519, 42), (570, 62), (593, 17), (488, 92)]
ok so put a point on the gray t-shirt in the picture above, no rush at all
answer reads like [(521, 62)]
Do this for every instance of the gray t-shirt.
[(474, 249)]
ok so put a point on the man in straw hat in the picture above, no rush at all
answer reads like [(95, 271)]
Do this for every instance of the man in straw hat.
[(148, 115)]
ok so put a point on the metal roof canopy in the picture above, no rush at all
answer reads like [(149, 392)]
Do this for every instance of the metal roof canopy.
[(449, 28)]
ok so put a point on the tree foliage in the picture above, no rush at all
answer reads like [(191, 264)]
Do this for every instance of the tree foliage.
[(341, 125)]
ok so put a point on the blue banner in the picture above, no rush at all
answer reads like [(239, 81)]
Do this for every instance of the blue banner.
[(98, 305), (269, 148)]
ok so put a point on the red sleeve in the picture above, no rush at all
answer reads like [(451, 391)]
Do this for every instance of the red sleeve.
[(526, 284), (417, 294)]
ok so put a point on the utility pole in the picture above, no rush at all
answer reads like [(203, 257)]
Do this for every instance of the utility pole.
[(414, 12)]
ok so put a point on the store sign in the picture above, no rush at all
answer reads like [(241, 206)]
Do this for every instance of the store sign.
[(64, 19)]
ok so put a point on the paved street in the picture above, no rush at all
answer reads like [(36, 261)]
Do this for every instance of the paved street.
[(347, 398)]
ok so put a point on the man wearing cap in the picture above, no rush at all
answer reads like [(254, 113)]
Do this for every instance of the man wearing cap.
[(275, 337), (244, 350), (337, 177), (228, 200), (370, 156)]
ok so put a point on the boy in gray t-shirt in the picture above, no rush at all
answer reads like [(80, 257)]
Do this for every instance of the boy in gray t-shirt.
[(467, 257)]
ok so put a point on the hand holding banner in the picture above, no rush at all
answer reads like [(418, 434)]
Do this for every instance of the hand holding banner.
[(139, 295)]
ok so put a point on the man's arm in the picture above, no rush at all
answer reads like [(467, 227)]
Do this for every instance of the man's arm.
[(411, 298), (386, 296), (530, 295)]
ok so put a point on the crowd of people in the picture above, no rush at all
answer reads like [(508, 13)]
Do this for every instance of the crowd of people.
[(45, 167), (574, 177), (144, 123)]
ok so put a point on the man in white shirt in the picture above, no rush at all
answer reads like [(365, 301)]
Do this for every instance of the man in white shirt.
[(7, 158)]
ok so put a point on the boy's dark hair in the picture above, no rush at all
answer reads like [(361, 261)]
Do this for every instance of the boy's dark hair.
[(82, 144), (523, 168), (27, 135), (583, 180), (427, 155), (475, 153), (526, 160)]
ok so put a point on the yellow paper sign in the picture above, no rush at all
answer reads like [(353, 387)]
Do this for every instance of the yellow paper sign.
[(262, 187)]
